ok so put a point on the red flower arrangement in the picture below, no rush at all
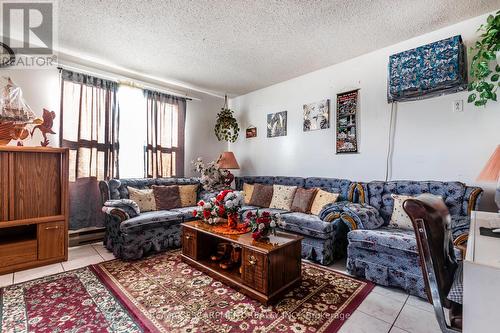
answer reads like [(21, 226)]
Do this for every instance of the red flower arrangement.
[(262, 223), (225, 205)]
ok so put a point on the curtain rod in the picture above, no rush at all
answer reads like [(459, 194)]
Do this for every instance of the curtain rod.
[(135, 83)]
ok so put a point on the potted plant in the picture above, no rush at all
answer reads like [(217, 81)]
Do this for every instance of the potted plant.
[(485, 66), (226, 126)]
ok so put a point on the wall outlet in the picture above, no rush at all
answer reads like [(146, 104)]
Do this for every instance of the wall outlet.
[(458, 106)]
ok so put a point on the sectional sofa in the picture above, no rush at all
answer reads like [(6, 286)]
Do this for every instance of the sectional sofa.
[(132, 237), (377, 252)]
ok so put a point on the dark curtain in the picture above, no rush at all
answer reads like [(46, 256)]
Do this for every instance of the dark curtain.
[(164, 151), (89, 128)]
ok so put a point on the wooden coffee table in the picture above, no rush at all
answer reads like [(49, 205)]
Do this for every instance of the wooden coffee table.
[(268, 268)]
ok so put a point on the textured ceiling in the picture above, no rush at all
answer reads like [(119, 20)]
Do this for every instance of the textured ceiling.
[(239, 46)]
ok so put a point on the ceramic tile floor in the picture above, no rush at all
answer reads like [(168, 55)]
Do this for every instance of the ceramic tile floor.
[(385, 310)]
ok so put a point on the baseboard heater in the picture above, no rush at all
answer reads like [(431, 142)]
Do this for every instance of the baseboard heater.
[(86, 236)]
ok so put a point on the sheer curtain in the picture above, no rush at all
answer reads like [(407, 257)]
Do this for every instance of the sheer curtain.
[(90, 129), (164, 151)]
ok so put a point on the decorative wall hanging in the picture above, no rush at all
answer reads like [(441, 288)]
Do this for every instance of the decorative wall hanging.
[(431, 70), (276, 124), (226, 127), (347, 109), (485, 65), (251, 132), (317, 115)]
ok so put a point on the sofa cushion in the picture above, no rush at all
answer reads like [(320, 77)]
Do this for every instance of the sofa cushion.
[(385, 239), (188, 195), (262, 195), (379, 194), (321, 199), (399, 218), (307, 224), (167, 197), (247, 193), (150, 219), (302, 200), (118, 187), (262, 210), (144, 198), (282, 196)]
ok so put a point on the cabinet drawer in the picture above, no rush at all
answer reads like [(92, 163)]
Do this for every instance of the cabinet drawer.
[(51, 240), (255, 270), (189, 242), (17, 252)]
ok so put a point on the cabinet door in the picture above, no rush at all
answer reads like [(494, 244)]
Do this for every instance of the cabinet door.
[(35, 185), (255, 270), (51, 240), (189, 242), (4, 186)]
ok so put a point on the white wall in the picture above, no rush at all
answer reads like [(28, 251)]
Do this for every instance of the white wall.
[(200, 137), (431, 142), (41, 89)]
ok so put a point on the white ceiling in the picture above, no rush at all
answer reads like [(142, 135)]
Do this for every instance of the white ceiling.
[(238, 46)]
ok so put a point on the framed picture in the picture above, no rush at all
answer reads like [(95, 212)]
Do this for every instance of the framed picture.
[(276, 124), (317, 116), (347, 126), (251, 132)]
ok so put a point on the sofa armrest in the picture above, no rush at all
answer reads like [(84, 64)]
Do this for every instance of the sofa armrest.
[(118, 213), (472, 198), (104, 189), (361, 216)]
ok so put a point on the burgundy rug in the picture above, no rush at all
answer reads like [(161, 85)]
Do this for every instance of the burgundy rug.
[(75, 301), (167, 295), (163, 294)]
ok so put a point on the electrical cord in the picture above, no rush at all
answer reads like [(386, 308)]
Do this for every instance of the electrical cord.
[(390, 144)]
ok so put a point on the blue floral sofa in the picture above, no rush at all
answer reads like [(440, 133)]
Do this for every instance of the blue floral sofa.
[(388, 256), (132, 237), (323, 241)]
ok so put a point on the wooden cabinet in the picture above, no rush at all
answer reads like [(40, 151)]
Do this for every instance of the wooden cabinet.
[(189, 242), (33, 207), (254, 269)]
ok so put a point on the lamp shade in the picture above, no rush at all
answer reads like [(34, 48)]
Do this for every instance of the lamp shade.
[(491, 170), (227, 161)]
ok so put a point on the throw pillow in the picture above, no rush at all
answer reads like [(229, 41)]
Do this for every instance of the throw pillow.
[(143, 198), (321, 199), (188, 195), (247, 193), (282, 197), (303, 199), (262, 195), (399, 218), (167, 197)]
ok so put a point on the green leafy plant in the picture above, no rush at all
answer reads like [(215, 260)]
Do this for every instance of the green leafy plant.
[(484, 72), (226, 127)]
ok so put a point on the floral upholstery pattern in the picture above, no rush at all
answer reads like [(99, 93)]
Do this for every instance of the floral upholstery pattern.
[(129, 206), (318, 250), (334, 185), (151, 219), (185, 212), (307, 224)]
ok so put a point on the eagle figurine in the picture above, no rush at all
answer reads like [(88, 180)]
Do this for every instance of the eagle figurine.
[(46, 127)]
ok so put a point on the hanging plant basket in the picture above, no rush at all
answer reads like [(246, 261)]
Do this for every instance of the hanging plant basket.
[(226, 127)]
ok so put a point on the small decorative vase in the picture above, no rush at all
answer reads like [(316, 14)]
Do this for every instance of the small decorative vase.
[(232, 221)]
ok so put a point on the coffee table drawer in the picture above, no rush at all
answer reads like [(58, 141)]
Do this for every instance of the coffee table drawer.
[(189, 242), (254, 270)]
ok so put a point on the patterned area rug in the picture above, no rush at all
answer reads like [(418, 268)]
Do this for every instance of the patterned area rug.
[(167, 295), (75, 301)]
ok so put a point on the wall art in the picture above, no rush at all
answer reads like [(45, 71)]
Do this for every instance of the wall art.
[(276, 124), (317, 115), (347, 135), (251, 132)]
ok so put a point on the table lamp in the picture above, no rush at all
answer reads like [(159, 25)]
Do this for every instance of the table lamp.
[(491, 172), (227, 161)]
